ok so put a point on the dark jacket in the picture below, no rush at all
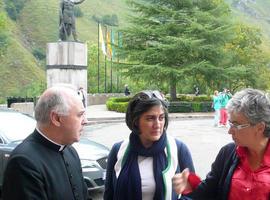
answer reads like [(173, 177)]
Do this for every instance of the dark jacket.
[(184, 161), (218, 180), (38, 170)]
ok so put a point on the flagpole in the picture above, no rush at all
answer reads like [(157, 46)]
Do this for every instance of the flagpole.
[(105, 58), (98, 57), (117, 68), (111, 59)]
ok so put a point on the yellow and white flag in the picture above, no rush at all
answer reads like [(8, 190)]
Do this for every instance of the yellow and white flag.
[(109, 46), (101, 40)]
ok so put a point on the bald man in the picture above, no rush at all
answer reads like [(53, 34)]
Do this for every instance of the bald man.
[(44, 165)]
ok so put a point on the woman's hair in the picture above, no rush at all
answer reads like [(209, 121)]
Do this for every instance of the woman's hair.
[(254, 105), (141, 103)]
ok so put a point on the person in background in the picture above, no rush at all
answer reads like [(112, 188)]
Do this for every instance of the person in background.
[(196, 90), (45, 165), (241, 169), (82, 95), (216, 106), (224, 97), (142, 166), (127, 92)]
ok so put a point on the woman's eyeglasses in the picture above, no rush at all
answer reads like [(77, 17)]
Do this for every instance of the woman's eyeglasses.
[(238, 127), (146, 95)]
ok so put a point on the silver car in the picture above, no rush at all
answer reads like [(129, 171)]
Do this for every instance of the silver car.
[(15, 126)]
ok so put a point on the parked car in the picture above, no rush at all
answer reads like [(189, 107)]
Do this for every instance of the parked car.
[(15, 126)]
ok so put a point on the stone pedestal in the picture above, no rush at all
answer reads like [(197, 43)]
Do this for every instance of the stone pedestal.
[(67, 63)]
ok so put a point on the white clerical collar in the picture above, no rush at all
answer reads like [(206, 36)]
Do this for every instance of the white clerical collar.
[(61, 147)]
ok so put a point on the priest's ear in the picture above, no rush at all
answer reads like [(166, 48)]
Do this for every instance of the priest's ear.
[(55, 118)]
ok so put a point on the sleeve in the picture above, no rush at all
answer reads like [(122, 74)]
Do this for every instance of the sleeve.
[(209, 187), (184, 157), (110, 175), (22, 180), (83, 183)]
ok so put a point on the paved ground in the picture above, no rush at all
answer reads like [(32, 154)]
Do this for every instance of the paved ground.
[(194, 129), (100, 114)]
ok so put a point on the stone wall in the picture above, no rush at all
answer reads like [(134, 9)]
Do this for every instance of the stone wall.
[(92, 99), (97, 99), (25, 107)]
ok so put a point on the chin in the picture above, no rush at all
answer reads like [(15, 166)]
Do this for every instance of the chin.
[(76, 139), (156, 138), (236, 143), (156, 134)]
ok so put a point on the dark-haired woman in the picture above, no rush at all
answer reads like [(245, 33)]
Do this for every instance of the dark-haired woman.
[(142, 167)]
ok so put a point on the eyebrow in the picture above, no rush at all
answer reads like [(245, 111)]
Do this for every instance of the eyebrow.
[(148, 115), (82, 112)]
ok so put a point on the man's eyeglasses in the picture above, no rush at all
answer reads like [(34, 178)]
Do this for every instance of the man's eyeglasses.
[(240, 126)]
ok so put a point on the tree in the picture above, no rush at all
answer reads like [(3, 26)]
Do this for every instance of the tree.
[(248, 63), (168, 40), (111, 20), (14, 7), (4, 38)]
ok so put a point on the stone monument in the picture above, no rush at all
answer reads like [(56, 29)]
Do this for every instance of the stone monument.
[(66, 61), (67, 19)]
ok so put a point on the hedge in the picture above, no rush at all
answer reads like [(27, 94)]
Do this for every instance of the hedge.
[(120, 105), (185, 106), (117, 104), (192, 98)]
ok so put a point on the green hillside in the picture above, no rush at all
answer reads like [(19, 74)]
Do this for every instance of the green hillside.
[(18, 67), (39, 19), (254, 12), (37, 24)]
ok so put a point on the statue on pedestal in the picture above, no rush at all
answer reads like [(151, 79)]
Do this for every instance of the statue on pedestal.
[(67, 19)]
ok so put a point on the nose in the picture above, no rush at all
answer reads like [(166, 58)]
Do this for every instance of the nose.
[(84, 120), (157, 123), (231, 130)]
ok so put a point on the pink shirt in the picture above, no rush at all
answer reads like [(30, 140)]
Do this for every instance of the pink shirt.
[(248, 184)]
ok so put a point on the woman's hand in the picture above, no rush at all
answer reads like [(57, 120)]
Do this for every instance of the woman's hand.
[(180, 182)]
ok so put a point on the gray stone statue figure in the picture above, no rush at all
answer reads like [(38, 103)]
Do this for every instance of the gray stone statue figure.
[(67, 19)]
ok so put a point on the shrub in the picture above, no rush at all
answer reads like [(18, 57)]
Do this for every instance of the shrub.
[(196, 107), (118, 104), (207, 107), (4, 37), (11, 100), (39, 54), (120, 99), (192, 98), (4, 40), (202, 98), (14, 7), (185, 106), (180, 107), (185, 98)]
